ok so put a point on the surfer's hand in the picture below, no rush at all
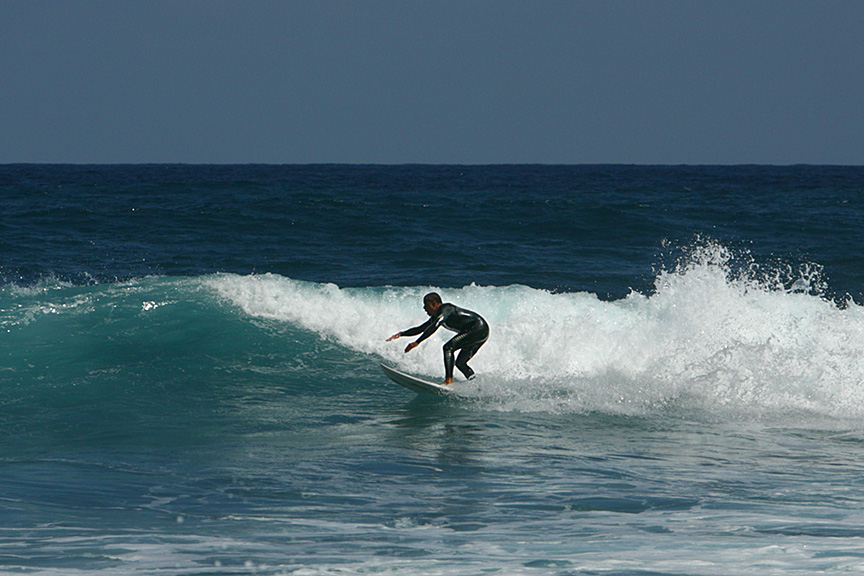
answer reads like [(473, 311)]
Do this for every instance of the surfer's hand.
[(411, 346), (394, 336)]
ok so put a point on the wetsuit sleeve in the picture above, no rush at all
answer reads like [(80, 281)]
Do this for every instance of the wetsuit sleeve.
[(430, 326), (418, 329)]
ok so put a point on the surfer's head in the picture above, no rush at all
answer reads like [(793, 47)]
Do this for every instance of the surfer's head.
[(431, 303)]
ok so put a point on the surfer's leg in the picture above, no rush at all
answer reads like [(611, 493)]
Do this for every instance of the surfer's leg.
[(468, 343), (465, 355), (462, 361), (448, 361), (457, 342)]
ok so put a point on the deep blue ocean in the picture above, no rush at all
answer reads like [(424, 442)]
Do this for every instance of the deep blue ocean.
[(190, 380)]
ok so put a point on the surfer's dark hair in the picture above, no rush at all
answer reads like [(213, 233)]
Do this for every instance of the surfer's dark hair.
[(432, 297)]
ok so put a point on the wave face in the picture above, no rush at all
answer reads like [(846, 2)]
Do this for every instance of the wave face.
[(711, 339), (714, 338)]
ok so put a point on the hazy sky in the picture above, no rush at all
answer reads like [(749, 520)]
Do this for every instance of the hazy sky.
[(431, 81)]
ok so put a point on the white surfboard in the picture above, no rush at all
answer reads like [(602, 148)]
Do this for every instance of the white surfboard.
[(414, 383)]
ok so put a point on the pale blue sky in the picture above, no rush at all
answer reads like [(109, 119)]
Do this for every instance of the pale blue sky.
[(404, 81)]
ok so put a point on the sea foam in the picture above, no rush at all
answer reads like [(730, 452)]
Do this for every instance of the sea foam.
[(714, 337)]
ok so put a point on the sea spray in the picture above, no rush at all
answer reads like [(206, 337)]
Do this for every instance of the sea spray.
[(715, 337)]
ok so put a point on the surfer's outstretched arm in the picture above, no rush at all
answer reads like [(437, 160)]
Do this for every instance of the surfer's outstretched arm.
[(410, 346), (437, 312), (425, 330)]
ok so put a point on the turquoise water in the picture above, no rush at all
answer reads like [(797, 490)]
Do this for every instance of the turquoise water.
[(189, 380)]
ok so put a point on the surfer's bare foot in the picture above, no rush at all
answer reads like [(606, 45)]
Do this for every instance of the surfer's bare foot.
[(447, 382)]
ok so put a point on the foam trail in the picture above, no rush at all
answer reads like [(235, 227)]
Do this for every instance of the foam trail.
[(707, 340)]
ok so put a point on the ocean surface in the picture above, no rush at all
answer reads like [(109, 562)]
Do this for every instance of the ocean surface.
[(190, 380)]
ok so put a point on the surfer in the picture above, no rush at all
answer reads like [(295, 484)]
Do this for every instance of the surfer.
[(471, 333)]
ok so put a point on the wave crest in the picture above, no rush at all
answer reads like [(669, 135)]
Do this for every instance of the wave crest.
[(719, 336)]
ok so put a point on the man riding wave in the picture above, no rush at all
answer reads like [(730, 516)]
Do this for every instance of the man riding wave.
[(472, 332)]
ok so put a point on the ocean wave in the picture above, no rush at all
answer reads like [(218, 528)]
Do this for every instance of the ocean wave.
[(718, 337)]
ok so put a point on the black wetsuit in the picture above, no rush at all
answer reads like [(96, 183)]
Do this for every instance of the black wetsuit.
[(472, 332)]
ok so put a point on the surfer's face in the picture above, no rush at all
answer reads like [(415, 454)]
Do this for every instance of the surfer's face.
[(431, 307)]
